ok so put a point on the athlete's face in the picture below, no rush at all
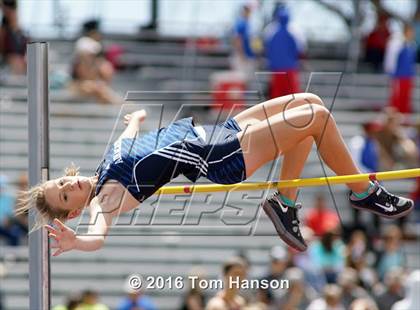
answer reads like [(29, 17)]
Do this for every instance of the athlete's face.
[(71, 193)]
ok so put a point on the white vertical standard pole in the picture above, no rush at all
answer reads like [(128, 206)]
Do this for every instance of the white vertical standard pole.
[(38, 134)]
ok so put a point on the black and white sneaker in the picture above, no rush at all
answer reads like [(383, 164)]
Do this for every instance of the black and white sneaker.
[(285, 221), (383, 203)]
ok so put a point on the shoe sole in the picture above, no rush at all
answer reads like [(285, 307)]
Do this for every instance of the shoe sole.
[(386, 216), (281, 230)]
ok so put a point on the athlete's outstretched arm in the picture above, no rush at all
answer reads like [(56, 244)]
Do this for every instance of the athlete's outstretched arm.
[(66, 238), (133, 121)]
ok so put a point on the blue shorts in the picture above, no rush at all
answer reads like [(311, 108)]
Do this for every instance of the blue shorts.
[(222, 153)]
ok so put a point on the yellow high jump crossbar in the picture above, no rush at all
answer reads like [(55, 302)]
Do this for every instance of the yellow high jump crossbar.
[(380, 176)]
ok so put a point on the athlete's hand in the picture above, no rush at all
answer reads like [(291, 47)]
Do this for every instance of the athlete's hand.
[(139, 116), (64, 237)]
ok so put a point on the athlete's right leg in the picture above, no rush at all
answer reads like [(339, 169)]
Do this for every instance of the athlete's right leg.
[(295, 158), (266, 140)]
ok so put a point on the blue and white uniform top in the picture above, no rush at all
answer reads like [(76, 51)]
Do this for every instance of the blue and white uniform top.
[(144, 164)]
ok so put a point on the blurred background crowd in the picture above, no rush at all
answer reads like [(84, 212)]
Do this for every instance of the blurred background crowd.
[(267, 47)]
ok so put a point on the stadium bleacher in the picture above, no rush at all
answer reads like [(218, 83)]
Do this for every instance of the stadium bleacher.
[(80, 133)]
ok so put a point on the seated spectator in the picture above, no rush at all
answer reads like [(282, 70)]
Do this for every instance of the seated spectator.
[(347, 279), (328, 254), (298, 295), (6, 212), (356, 257), (329, 301), (248, 294), (21, 220), (320, 218), (2, 274), (396, 148), (135, 299), (13, 228), (415, 195), (228, 297), (89, 301), (412, 296), (279, 261), (356, 248), (314, 275), (91, 72), (363, 304), (12, 40), (365, 148), (72, 303), (366, 152), (195, 298), (391, 255), (393, 290)]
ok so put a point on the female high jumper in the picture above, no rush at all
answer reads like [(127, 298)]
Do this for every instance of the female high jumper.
[(134, 167)]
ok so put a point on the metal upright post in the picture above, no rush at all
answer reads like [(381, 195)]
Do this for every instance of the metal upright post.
[(38, 151)]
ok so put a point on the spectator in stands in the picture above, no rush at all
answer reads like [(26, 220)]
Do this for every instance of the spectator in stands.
[(393, 291), (363, 304), (391, 255), (135, 299), (89, 301), (396, 148), (356, 257), (376, 41), (330, 300), (2, 274), (417, 30), (400, 63), (195, 298), (347, 279), (21, 220), (365, 148), (72, 303), (298, 295), (320, 218), (412, 296), (314, 275), (366, 152), (6, 211), (328, 254), (12, 39), (243, 58), (279, 261), (248, 294), (282, 50), (415, 195), (228, 297), (91, 72), (13, 228), (356, 248)]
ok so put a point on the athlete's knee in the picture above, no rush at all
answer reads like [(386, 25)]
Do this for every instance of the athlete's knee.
[(321, 113), (312, 98)]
